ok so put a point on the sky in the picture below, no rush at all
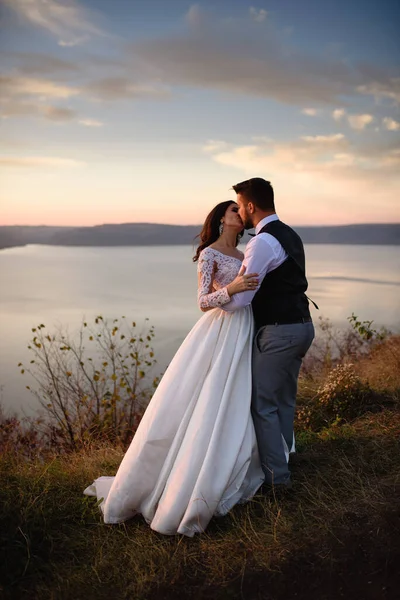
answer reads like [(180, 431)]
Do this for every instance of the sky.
[(149, 111)]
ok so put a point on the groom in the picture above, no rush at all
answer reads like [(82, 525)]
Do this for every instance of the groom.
[(283, 325)]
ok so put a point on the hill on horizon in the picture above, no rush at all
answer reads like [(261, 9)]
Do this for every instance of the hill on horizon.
[(151, 234)]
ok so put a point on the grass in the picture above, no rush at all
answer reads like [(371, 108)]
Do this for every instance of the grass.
[(336, 536)]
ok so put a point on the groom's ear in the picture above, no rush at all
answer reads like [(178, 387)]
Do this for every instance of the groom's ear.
[(251, 208)]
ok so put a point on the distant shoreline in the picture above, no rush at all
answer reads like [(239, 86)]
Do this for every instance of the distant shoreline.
[(153, 234), (181, 244)]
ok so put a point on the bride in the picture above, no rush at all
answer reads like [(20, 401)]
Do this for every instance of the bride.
[(194, 454)]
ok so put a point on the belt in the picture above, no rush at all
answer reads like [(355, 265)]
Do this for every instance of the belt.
[(301, 320)]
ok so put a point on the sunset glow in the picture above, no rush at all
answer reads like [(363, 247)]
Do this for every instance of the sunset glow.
[(125, 112)]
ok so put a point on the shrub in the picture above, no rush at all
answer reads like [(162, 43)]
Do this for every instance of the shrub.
[(342, 397), (20, 438), (333, 346), (101, 395)]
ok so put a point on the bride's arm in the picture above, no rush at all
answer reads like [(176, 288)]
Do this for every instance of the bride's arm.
[(206, 297)]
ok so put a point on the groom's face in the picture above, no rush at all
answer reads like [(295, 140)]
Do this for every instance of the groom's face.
[(244, 212)]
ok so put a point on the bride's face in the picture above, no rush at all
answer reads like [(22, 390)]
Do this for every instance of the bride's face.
[(232, 219)]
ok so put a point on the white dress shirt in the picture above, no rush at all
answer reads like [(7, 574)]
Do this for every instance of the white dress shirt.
[(263, 254)]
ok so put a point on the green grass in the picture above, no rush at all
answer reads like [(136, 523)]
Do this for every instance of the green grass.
[(336, 536)]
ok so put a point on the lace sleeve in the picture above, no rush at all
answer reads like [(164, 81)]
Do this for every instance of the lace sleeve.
[(207, 298)]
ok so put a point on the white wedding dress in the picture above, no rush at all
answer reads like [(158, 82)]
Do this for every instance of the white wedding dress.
[(194, 454)]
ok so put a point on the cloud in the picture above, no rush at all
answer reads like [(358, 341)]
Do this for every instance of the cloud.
[(205, 55), (258, 15), (38, 63), (75, 42), (29, 86), (324, 139), (389, 89), (360, 121), (14, 108), (69, 22), (319, 175), (90, 123), (298, 155), (338, 114), (9, 109), (310, 112), (33, 97), (120, 88), (321, 156), (57, 113), (392, 159), (390, 124), (344, 159), (44, 65), (215, 146), (236, 56), (39, 161), (211, 58)]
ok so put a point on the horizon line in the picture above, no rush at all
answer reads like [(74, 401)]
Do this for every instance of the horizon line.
[(194, 224)]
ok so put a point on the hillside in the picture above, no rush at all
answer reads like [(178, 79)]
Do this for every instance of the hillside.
[(336, 535)]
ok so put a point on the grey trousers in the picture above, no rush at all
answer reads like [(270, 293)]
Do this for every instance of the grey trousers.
[(278, 351)]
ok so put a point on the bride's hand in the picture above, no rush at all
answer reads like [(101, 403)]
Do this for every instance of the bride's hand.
[(243, 283)]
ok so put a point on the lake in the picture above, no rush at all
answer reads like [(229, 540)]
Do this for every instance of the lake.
[(64, 285)]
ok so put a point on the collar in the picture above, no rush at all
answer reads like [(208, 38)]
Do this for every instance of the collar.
[(265, 221)]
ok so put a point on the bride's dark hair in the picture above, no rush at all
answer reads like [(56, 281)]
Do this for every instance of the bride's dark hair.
[(210, 232)]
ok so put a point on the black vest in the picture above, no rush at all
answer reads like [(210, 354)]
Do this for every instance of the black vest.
[(281, 297)]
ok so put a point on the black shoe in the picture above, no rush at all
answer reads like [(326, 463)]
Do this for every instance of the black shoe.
[(278, 490)]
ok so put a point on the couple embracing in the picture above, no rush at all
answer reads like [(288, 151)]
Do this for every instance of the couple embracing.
[(220, 423)]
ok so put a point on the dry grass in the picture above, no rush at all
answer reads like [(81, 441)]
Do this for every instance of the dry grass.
[(336, 532), (381, 366), (336, 536), (369, 382)]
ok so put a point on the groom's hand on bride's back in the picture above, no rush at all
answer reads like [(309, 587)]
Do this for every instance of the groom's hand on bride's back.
[(243, 282)]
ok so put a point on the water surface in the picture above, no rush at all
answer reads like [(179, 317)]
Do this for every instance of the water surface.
[(64, 285)]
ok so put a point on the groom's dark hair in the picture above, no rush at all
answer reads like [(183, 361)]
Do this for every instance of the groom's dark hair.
[(257, 190)]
